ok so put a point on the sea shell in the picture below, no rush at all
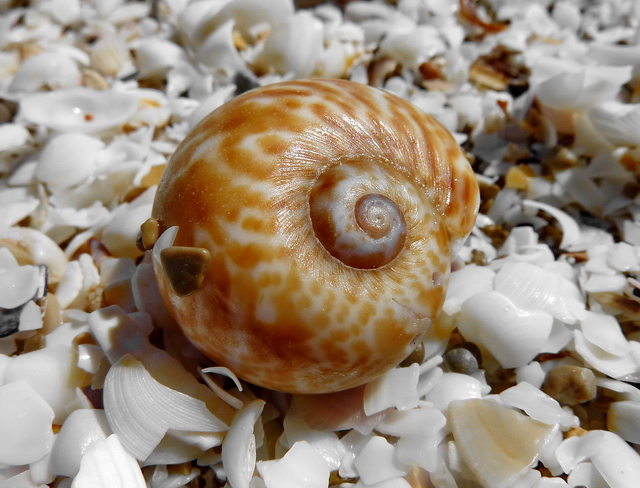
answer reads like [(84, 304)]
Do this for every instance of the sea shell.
[(52, 69), (79, 109), (25, 425), (265, 275), (497, 456), (30, 246), (513, 335)]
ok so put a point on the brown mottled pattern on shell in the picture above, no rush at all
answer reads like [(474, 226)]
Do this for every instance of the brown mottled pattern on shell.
[(275, 307)]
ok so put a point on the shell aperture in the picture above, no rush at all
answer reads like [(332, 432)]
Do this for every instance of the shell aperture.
[(330, 210)]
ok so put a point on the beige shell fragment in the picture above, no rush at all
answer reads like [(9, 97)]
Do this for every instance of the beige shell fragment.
[(498, 443)]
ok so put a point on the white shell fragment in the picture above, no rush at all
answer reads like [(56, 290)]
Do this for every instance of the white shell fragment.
[(420, 431), (31, 246), (453, 386), (18, 285), (79, 109), (396, 388), (68, 160), (108, 465), (512, 334), (616, 461), (537, 405), (376, 462), (12, 136), (80, 431), (623, 418), (120, 234), (239, 446), (25, 424), (301, 467), (497, 443), (465, 283), (141, 410), (53, 373), (532, 287)]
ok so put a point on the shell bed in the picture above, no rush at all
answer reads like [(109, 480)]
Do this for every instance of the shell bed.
[(119, 274)]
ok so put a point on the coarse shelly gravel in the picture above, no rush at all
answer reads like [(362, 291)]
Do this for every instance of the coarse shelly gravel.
[(528, 378)]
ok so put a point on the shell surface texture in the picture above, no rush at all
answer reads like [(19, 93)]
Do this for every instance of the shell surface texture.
[(316, 224)]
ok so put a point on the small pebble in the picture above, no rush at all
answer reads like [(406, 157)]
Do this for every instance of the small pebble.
[(465, 359), (185, 267), (570, 384)]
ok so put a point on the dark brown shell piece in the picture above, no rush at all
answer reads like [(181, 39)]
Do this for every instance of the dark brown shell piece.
[(184, 268)]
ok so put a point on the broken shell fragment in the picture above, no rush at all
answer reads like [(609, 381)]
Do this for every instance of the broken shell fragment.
[(79, 109), (20, 287), (30, 246), (25, 424), (141, 410), (498, 443), (512, 334)]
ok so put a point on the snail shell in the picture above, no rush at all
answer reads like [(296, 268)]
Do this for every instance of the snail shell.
[(324, 214)]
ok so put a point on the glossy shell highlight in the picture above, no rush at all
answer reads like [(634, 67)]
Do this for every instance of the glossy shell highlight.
[(273, 303)]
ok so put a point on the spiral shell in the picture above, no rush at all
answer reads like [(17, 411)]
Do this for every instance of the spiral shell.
[(317, 221)]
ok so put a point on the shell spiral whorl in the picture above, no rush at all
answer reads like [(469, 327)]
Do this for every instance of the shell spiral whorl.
[(330, 210), (354, 222)]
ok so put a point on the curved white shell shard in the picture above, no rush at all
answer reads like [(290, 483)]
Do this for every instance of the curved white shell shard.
[(572, 85), (570, 230), (219, 54), (141, 410), (294, 48), (18, 285), (617, 462), (107, 464), (67, 160), (53, 69), (12, 136), (110, 56), (25, 424), (53, 373), (119, 236), (155, 56), (396, 388), (413, 48), (245, 15), (618, 122), (497, 443), (465, 283), (30, 246), (300, 467), (79, 109), (376, 462), (451, 387), (513, 335), (120, 334), (420, 431), (601, 360), (239, 446), (534, 288), (585, 474), (604, 331), (623, 418), (537, 404), (78, 433)]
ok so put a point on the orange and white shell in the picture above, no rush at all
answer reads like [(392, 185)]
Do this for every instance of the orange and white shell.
[(323, 215)]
